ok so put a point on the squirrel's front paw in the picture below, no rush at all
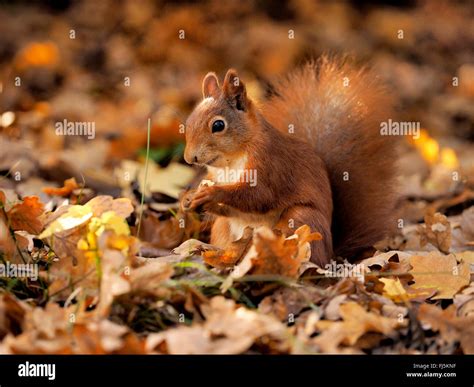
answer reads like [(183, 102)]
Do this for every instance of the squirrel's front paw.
[(203, 195), (186, 199)]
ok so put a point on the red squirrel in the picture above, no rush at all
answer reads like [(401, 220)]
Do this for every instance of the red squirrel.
[(314, 148)]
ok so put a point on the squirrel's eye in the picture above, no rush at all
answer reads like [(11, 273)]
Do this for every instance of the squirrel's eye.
[(218, 126)]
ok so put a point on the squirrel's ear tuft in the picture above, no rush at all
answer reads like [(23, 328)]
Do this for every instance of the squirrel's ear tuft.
[(210, 85), (234, 90)]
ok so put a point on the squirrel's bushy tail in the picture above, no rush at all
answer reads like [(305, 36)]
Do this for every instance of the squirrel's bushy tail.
[(339, 108)]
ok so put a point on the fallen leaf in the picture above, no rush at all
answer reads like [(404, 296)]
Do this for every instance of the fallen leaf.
[(149, 277), (280, 255), (394, 289), (440, 272), (223, 259), (12, 313), (437, 231), (464, 302), (73, 217), (25, 215), (451, 328), (356, 322), (69, 186), (467, 224), (192, 247), (331, 312), (169, 181), (287, 302), (227, 329), (122, 207)]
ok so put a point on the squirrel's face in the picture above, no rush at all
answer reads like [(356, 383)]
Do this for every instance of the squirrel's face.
[(216, 131)]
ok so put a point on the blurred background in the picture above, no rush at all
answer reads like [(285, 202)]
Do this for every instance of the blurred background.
[(118, 63)]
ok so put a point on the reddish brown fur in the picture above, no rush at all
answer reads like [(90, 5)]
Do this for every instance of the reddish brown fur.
[(335, 131), (343, 124)]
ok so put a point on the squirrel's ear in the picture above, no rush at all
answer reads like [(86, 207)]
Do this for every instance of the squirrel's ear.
[(210, 85), (234, 90)]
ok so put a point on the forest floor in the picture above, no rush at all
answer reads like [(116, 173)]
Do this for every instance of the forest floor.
[(98, 256)]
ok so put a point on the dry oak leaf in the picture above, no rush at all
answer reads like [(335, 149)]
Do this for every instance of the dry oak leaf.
[(7, 244), (26, 215), (45, 330), (466, 256), (122, 206), (165, 233), (228, 329), (356, 322), (282, 256), (441, 272), (149, 277), (66, 218), (69, 186), (49, 331), (450, 327), (288, 302), (169, 181), (104, 337), (467, 225), (223, 259), (394, 289), (12, 313), (192, 247), (116, 262), (464, 302), (437, 231), (272, 254)]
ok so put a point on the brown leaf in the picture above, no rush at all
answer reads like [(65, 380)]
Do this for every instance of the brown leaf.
[(45, 330), (100, 204), (25, 215), (440, 272), (106, 337), (168, 233), (450, 327), (278, 255), (223, 259), (12, 313), (289, 301), (228, 329), (149, 277), (7, 244), (356, 322), (467, 224), (437, 231), (164, 233)]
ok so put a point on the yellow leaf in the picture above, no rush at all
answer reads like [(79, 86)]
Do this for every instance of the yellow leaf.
[(73, 217), (112, 221), (394, 289)]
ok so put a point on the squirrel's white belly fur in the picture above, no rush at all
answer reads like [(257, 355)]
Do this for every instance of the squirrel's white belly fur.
[(237, 224)]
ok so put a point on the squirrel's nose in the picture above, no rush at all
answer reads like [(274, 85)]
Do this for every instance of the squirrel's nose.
[(190, 157)]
